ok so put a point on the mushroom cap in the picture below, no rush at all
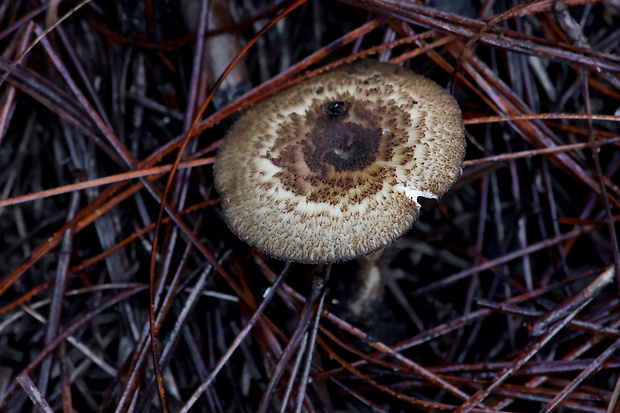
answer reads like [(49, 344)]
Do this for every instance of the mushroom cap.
[(331, 168)]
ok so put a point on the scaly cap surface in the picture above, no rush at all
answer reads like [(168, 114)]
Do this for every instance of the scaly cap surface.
[(331, 168)]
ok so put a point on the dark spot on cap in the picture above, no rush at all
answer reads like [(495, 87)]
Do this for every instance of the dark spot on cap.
[(344, 145), (333, 108)]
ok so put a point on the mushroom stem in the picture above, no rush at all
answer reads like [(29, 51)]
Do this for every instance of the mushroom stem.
[(369, 293)]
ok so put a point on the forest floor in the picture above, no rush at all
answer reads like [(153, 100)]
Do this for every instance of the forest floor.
[(503, 297)]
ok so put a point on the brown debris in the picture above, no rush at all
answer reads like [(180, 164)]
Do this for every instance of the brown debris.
[(503, 297)]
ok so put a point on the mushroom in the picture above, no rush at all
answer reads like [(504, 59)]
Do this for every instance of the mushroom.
[(331, 169)]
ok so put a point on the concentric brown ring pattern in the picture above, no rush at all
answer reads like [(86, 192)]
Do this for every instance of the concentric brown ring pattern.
[(305, 184)]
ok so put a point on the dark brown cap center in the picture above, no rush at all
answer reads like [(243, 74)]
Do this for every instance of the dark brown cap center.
[(346, 146), (339, 147)]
